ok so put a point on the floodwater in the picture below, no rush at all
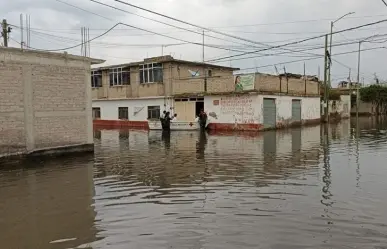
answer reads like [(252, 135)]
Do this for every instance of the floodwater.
[(316, 187)]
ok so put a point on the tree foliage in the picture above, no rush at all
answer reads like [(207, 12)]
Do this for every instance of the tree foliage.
[(375, 94)]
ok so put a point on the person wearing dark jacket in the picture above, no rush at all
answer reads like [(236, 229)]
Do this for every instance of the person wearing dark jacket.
[(202, 119), (167, 122), (162, 118)]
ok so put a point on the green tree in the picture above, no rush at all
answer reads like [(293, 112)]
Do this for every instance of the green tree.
[(377, 95)]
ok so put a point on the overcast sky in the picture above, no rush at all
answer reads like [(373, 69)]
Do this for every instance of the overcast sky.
[(55, 25)]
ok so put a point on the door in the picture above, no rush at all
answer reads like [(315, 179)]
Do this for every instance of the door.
[(269, 113), (296, 110), (185, 110)]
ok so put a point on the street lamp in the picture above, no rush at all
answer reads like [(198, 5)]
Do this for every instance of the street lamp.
[(330, 44)]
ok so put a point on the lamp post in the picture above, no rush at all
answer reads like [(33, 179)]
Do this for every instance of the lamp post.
[(330, 43)]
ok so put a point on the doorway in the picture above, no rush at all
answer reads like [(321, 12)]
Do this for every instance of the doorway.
[(199, 105)]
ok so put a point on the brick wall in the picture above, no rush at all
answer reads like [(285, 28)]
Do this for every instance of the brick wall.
[(59, 100), (273, 83), (12, 132), (45, 100)]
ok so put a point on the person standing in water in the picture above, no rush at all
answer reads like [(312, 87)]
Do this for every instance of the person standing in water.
[(174, 118), (202, 119), (162, 117), (167, 122)]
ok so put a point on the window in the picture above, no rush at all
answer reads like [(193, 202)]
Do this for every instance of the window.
[(96, 112), (96, 79), (119, 76), (153, 112), (123, 113), (209, 72), (152, 72)]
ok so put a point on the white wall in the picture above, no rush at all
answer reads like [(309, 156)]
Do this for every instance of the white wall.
[(343, 106), (109, 108), (249, 108)]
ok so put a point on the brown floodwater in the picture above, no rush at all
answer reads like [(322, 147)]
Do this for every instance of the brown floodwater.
[(316, 187)]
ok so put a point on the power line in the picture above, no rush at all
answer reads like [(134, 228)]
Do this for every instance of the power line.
[(184, 22), (317, 57), (301, 41), (281, 53), (187, 23), (182, 40), (384, 2), (113, 7)]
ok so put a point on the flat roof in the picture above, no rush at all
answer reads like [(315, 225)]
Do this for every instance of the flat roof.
[(165, 59), (58, 55)]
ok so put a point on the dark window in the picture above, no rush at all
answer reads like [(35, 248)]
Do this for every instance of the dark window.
[(123, 113), (96, 112), (153, 112), (119, 76), (96, 79), (152, 72), (209, 73)]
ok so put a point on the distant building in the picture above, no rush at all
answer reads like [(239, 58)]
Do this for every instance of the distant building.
[(45, 101), (348, 85), (128, 95)]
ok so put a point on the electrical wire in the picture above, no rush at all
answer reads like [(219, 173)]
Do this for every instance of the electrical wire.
[(187, 23), (317, 57), (301, 41), (281, 53), (113, 7)]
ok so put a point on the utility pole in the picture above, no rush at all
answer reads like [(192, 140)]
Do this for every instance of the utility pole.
[(357, 82), (326, 88), (4, 32), (205, 69), (330, 43), (203, 46)]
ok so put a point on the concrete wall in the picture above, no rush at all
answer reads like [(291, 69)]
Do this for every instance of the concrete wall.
[(248, 108), (176, 80), (138, 108), (365, 108), (45, 100), (342, 107)]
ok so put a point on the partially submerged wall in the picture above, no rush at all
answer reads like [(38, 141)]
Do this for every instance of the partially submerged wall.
[(45, 101), (245, 111)]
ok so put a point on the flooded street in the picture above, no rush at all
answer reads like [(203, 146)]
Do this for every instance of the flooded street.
[(316, 187)]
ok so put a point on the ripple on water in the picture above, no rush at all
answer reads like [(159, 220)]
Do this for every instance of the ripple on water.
[(288, 189)]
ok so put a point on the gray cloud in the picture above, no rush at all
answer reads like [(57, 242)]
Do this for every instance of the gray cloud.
[(56, 25)]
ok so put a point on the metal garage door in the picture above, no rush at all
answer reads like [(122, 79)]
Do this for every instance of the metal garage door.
[(296, 110), (269, 113)]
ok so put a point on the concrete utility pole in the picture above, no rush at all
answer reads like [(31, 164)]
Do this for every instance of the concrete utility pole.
[(357, 82), (330, 43), (4, 32), (326, 88)]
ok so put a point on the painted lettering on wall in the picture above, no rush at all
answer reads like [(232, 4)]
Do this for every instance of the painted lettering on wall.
[(241, 107)]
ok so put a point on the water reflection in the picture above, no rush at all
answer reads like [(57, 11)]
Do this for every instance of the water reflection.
[(47, 204), (316, 187)]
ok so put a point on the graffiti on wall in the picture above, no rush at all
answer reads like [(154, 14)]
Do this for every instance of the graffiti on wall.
[(240, 107)]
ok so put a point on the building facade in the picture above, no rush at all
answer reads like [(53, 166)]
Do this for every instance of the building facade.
[(129, 95), (45, 101)]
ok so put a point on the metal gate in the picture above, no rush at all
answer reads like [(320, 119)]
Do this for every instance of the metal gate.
[(296, 110), (185, 110), (269, 113)]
